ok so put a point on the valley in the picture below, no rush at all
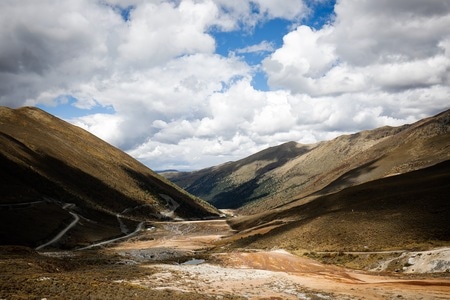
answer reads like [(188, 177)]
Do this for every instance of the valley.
[(193, 260), (363, 216)]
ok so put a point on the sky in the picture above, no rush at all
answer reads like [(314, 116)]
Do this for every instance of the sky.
[(188, 84)]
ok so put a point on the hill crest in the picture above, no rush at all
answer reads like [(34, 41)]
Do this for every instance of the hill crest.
[(67, 170), (290, 172)]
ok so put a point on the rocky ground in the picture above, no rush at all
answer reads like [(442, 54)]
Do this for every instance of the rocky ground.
[(190, 260)]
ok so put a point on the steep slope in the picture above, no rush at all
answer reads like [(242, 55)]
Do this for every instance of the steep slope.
[(234, 184), (407, 211), (289, 172), (53, 173)]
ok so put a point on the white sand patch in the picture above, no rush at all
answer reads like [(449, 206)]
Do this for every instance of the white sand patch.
[(221, 281), (432, 261)]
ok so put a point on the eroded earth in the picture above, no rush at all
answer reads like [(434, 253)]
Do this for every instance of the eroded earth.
[(193, 260)]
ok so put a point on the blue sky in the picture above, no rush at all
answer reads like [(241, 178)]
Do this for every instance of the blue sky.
[(270, 31), (190, 84), (65, 108)]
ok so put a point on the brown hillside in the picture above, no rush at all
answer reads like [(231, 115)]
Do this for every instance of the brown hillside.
[(234, 184), (407, 211), (51, 170), (290, 172)]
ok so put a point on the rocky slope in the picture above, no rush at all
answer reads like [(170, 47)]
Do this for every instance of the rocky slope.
[(291, 171), (55, 174)]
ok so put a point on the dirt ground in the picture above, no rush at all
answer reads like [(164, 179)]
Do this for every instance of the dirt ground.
[(280, 275), (255, 274), (189, 260)]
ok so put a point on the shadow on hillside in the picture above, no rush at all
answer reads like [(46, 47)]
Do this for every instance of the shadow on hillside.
[(188, 207), (281, 154), (37, 177), (349, 178), (228, 196), (68, 183), (395, 211), (239, 196)]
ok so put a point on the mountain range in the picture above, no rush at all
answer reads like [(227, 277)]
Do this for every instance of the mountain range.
[(379, 189), (292, 171), (376, 190)]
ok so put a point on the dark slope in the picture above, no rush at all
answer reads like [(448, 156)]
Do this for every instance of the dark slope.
[(291, 172), (407, 211), (51, 170), (234, 184)]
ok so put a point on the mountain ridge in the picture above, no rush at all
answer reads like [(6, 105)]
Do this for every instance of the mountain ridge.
[(63, 166), (406, 211), (320, 168)]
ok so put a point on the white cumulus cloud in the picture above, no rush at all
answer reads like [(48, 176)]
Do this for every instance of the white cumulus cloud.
[(176, 103)]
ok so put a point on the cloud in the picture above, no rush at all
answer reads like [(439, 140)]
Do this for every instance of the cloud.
[(262, 47), (370, 47), (233, 13), (177, 104), (171, 31), (49, 47), (178, 90), (105, 126), (302, 58), (386, 32), (288, 9)]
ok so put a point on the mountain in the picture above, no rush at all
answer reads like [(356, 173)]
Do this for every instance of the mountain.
[(294, 172), (55, 175), (406, 211)]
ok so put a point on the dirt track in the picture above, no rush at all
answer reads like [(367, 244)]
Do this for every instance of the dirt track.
[(264, 274)]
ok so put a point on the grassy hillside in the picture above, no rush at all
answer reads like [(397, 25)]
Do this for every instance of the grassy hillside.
[(234, 184), (289, 172), (50, 169), (407, 211)]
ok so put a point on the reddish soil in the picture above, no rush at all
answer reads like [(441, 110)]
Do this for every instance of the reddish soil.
[(152, 265), (270, 274)]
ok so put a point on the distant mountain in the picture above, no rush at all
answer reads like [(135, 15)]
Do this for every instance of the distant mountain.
[(54, 174), (292, 172)]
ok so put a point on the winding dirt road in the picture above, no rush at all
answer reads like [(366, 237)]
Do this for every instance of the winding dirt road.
[(139, 228), (76, 218)]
